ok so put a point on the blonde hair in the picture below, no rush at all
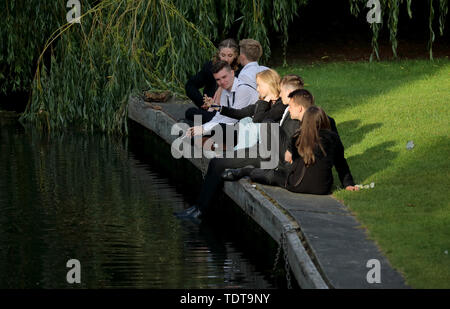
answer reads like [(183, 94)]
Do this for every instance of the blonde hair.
[(272, 79)]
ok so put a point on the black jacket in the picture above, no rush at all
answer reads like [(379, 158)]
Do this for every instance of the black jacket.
[(260, 111), (294, 132), (203, 79), (318, 178)]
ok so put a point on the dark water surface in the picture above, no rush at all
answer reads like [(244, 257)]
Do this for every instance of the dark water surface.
[(103, 202)]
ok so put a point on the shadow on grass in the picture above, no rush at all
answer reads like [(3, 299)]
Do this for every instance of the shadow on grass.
[(339, 86), (353, 134), (373, 160)]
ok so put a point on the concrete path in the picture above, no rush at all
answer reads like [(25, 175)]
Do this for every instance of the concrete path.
[(327, 246)]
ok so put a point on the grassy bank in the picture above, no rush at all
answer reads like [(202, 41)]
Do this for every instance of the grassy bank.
[(378, 108)]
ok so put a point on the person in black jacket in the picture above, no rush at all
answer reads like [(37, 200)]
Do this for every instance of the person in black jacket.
[(317, 150), (213, 180), (228, 51)]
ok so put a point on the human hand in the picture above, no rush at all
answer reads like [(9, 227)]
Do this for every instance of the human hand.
[(288, 156), (207, 102), (193, 131), (270, 98), (352, 188)]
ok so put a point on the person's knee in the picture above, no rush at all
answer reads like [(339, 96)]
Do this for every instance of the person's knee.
[(262, 176)]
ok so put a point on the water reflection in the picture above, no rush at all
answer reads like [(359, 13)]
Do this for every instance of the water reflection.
[(89, 198)]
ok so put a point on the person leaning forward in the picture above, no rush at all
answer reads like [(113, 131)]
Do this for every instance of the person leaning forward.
[(235, 94), (228, 50)]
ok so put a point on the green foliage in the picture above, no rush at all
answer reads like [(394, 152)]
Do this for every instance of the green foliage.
[(391, 9), (85, 72), (378, 108), (119, 47), (24, 28), (123, 46)]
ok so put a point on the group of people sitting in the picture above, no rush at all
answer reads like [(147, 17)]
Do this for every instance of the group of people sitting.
[(236, 87)]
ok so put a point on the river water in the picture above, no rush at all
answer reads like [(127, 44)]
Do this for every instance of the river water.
[(108, 204)]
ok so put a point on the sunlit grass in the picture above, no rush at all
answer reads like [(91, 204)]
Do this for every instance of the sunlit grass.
[(378, 108)]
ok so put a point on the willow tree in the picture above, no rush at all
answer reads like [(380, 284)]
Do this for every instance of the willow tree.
[(118, 47), (390, 10), (24, 28), (86, 71), (124, 46)]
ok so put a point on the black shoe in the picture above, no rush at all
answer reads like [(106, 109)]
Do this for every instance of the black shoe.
[(192, 212), (232, 174)]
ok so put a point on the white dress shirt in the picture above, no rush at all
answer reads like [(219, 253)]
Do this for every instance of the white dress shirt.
[(249, 71), (285, 114), (238, 97)]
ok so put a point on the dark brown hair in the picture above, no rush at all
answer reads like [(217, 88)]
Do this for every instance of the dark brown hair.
[(219, 65), (228, 43), (302, 97), (313, 121)]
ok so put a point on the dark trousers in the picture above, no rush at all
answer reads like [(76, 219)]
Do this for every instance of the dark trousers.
[(273, 177), (213, 180), (206, 116)]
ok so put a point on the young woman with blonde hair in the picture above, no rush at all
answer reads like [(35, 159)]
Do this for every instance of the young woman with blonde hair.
[(269, 106)]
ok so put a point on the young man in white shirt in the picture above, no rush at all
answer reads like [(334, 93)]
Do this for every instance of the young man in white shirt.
[(235, 94), (250, 51)]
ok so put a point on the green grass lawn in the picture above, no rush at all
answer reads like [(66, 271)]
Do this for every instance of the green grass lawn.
[(378, 108)]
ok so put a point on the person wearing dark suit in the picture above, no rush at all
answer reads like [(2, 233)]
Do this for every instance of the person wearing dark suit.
[(317, 149)]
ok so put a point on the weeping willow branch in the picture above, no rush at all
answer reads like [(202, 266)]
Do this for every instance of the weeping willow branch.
[(430, 27), (119, 48), (85, 72)]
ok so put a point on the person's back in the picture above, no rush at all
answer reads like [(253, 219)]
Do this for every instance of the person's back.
[(318, 177), (317, 149), (250, 51)]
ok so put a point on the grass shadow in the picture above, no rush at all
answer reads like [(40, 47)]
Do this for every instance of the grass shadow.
[(372, 161), (352, 133), (340, 86)]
